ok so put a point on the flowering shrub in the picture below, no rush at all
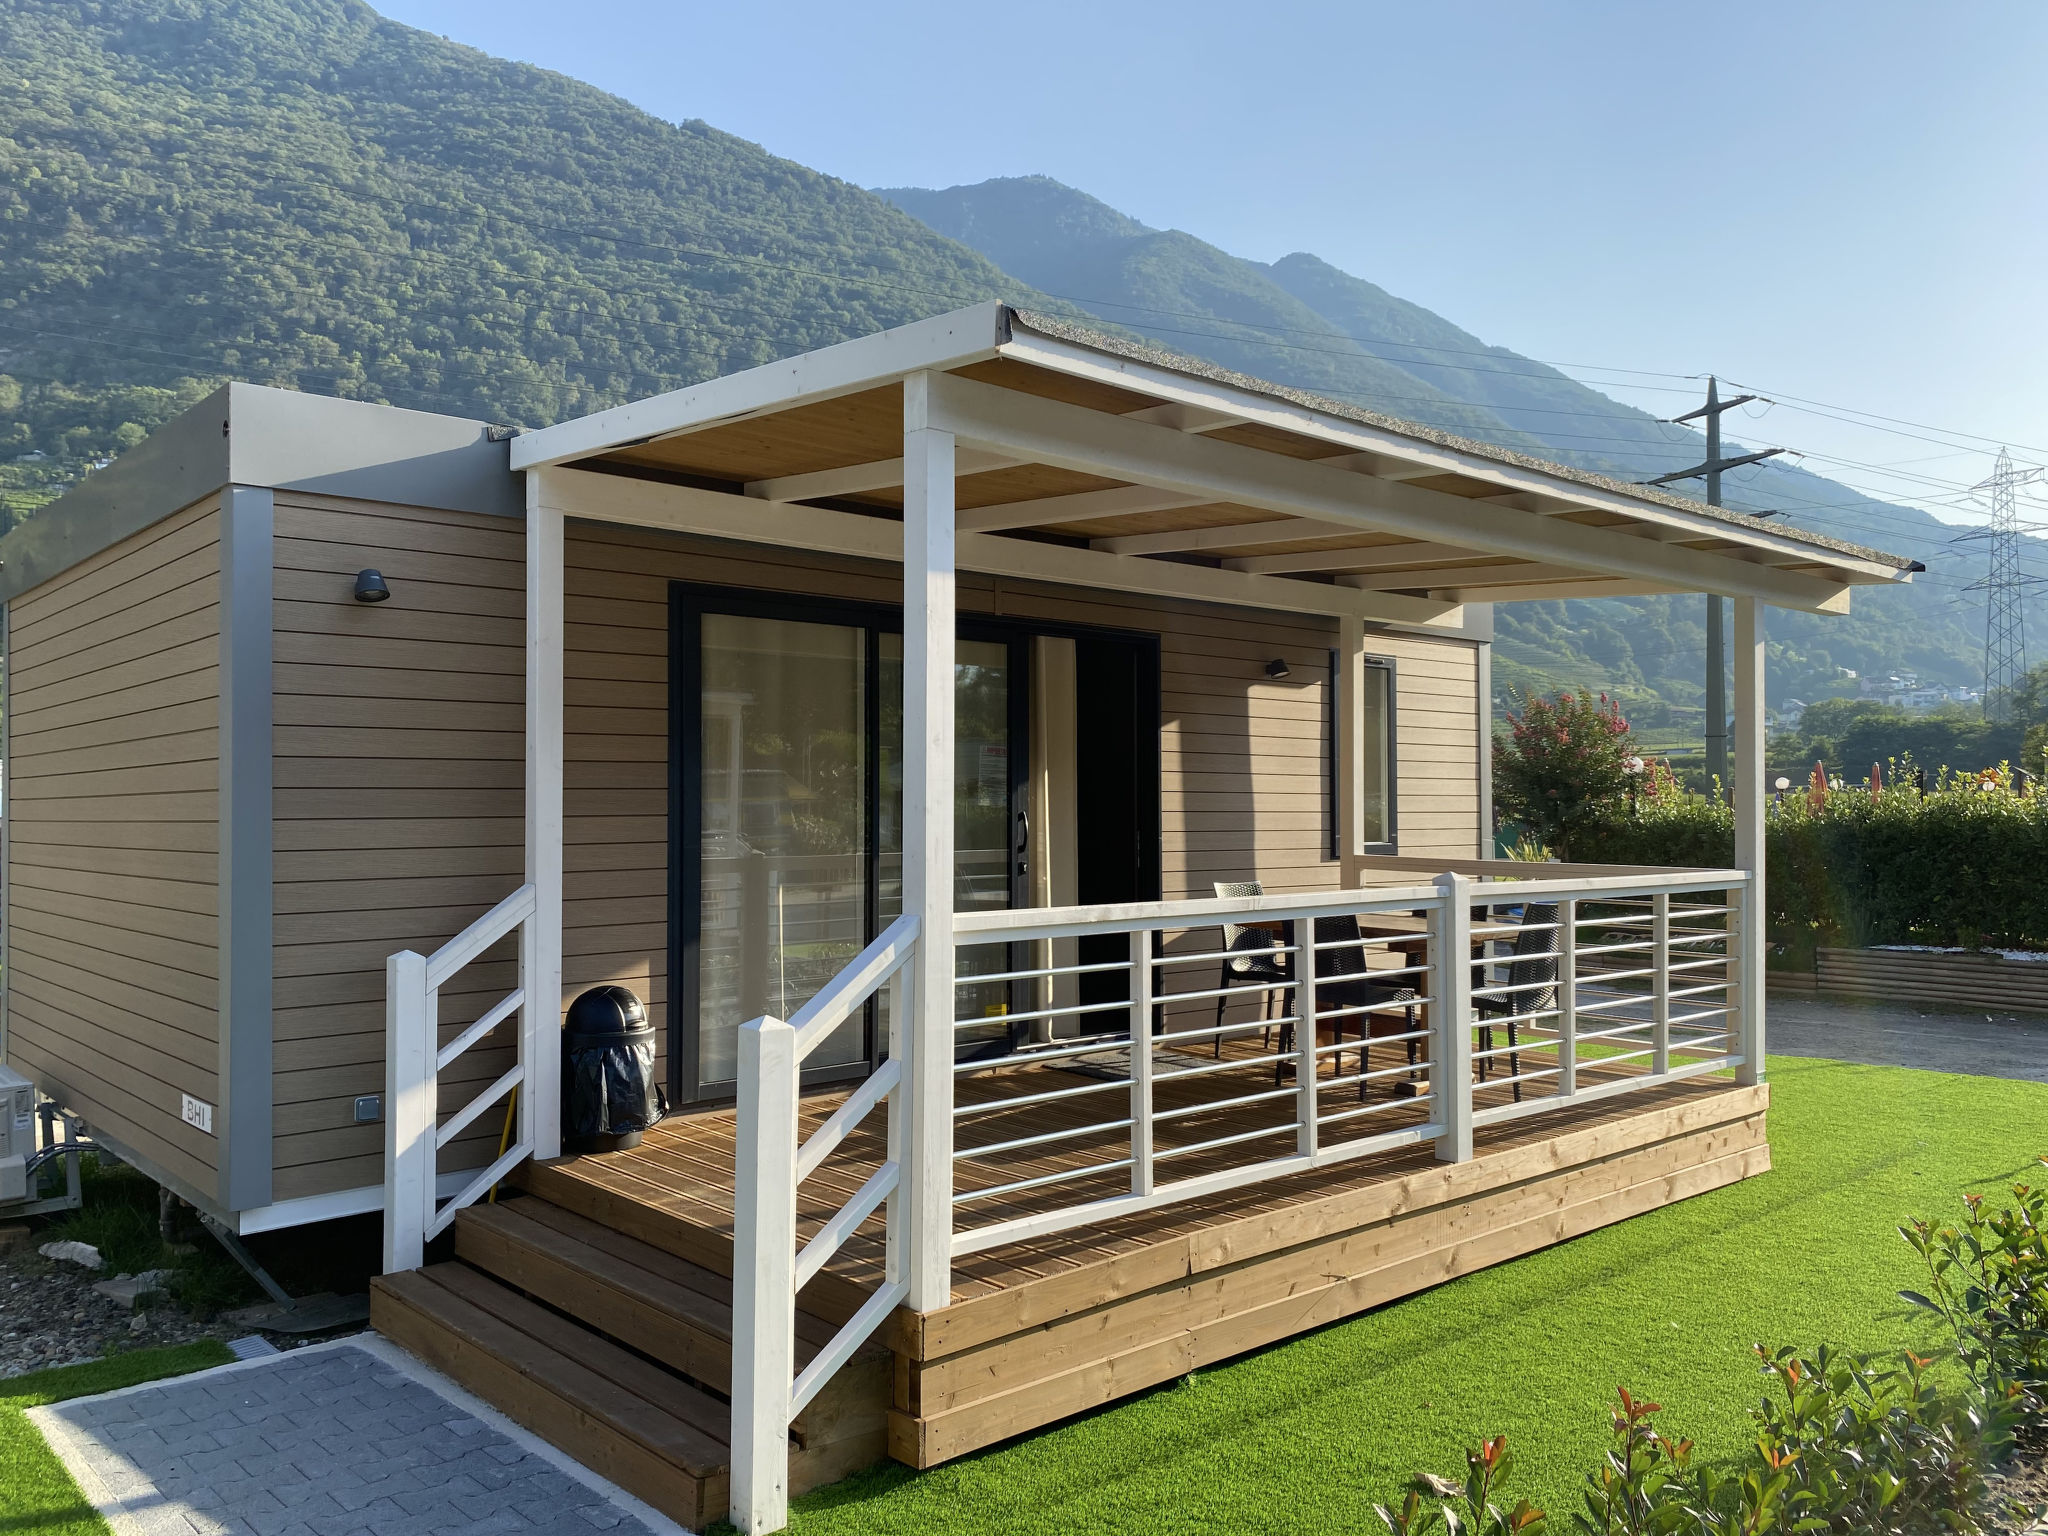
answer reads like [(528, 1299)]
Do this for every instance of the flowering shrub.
[(1563, 764), (1959, 863)]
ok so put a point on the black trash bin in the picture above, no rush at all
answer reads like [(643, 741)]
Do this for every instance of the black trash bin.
[(609, 1095)]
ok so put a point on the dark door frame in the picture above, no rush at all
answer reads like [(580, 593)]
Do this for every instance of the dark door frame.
[(688, 602)]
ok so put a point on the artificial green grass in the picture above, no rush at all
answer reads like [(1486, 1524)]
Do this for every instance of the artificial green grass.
[(36, 1493), (1302, 1437)]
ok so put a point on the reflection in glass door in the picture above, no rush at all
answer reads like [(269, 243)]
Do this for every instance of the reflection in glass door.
[(790, 806), (987, 811), (783, 871)]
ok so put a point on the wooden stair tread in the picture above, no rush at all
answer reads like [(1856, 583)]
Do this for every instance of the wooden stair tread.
[(689, 1292), (626, 1394)]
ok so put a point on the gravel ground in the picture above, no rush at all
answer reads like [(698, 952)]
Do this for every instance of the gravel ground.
[(50, 1316), (2022, 1490)]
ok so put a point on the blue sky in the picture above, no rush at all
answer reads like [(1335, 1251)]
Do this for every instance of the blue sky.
[(1837, 202)]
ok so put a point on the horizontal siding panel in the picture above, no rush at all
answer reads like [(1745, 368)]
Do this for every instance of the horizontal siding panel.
[(113, 838)]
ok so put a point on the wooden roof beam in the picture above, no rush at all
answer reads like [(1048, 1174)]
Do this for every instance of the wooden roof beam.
[(1374, 557), (857, 479), (719, 514), (1471, 576), (1092, 442)]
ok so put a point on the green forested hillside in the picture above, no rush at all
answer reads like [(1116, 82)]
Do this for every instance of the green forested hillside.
[(1302, 321), (301, 193)]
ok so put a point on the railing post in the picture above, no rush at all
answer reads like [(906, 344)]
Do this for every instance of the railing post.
[(764, 1275), (409, 1111), (896, 1224), (1746, 973), (1660, 983), (1453, 1066), (1309, 1013), (1567, 998), (1141, 1061)]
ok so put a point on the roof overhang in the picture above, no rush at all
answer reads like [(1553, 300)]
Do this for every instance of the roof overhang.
[(1082, 459)]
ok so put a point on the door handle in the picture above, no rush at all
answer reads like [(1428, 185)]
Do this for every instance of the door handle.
[(1023, 839)]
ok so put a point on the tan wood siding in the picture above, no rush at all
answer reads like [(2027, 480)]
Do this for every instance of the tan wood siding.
[(399, 735), (399, 787), (1244, 782), (113, 738)]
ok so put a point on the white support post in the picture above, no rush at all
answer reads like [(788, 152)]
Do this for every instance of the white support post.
[(1567, 998), (1660, 982), (928, 636), (1750, 805), (409, 1111), (1141, 1061), (1350, 727), (764, 1264), (540, 947), (1310, 1013), (1452, 1069)]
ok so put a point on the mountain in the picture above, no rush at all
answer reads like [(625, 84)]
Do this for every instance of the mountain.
[(1304, 322), (303, 193)]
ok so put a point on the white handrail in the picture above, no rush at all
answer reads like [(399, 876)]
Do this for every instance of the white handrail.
[(768, 1269), (1620, 937), (414, 1133)]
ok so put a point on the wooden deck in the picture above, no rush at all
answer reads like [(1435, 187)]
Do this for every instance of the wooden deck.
[(1042, 1329)]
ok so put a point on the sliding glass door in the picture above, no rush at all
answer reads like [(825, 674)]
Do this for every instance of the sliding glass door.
[(788, 811)]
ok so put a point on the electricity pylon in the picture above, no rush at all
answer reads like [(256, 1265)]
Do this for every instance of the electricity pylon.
[(2004, 586)]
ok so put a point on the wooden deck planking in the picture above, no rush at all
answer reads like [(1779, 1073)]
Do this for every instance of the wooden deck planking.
[(684, 1168)]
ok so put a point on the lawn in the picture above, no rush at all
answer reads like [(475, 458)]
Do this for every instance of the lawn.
[(1303, 1437), (36, 1493)]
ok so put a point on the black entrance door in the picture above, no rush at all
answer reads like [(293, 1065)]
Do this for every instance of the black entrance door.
[(1116, 711)]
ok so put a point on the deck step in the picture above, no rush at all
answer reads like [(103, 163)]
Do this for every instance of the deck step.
[(631, 1421), (632, 1381), (603, 1190), (645, 1297)]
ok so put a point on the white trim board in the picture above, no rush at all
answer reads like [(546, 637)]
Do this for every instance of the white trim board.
[(953, 340), (718, 514)]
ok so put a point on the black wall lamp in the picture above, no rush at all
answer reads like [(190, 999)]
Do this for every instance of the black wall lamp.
[(1278, 669), (370, 587)]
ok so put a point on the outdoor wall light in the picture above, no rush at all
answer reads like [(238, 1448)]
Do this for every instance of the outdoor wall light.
[(370, 587), (1277, 669)]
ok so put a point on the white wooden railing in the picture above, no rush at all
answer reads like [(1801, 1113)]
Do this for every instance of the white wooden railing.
[(414, 1133), (1054, 1121), (1647, 992), (768, 1269)]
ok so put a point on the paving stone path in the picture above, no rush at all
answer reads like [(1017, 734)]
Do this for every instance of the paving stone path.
[(327, 1441)]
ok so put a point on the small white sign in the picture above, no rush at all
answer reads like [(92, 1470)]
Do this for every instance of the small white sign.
[(200, 1113)]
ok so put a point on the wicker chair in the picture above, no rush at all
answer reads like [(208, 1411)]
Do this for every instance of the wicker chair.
[(1253, 959), (1531, 987)]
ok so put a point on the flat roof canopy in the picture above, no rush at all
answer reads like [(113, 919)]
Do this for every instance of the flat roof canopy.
[(1084, 459)]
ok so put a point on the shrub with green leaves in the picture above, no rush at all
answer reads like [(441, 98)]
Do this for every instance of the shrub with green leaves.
[(1844, 1444), (1959, 863)]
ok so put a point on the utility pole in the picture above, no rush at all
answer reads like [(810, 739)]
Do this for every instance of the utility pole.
[(1717, 617), (2004, 588)]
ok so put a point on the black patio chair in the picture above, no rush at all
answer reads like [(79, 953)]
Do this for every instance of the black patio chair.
[(1253, 959), (1343, 980), (1531, 987)]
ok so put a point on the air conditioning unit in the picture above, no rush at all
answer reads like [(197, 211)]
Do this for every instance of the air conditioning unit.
[(17, 1133)]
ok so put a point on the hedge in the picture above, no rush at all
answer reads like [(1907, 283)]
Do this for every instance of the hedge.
[(1963, 863)]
